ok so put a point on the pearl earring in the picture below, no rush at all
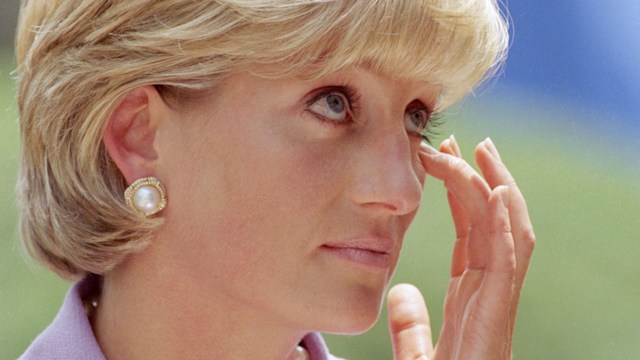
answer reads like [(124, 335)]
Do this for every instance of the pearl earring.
[(146, 196)]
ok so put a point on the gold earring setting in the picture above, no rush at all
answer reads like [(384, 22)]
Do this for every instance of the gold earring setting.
[(146, 196)]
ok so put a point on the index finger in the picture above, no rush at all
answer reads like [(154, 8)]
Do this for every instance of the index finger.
[(465, 184)]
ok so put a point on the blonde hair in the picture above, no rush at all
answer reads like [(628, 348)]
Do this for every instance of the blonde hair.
[(78, 58)]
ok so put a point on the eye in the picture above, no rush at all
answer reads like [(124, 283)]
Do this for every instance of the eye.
[(332, 105), (416, 120)]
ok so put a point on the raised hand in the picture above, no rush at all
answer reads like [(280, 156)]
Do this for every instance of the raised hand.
[(494, 243)]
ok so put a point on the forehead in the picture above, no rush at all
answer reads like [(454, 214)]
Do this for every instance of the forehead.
[(329, 70)]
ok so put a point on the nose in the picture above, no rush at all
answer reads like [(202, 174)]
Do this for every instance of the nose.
[(385, 178)]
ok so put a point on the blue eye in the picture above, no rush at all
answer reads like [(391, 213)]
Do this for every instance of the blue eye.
[(416, 120), (336, 103), (332, 106)]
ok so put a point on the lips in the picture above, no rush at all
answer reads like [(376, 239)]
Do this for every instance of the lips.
[(373, 252)]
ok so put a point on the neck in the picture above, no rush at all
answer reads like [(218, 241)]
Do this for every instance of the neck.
[(147, 310)]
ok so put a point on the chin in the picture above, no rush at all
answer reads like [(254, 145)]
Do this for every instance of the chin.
[(354, 325), (355, 315)]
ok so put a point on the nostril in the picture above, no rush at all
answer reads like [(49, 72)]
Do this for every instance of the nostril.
[(395, 200), (383, 206), (387, 178)]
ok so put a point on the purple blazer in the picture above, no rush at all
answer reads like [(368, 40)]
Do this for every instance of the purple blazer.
[(70, 337)]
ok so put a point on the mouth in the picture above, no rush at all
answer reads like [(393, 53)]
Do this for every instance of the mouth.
[(373, 253)]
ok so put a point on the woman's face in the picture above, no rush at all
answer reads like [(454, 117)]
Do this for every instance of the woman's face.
[(292, 197)]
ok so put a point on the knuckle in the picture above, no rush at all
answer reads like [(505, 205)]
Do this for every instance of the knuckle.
[(507, 268), (415, 354), (501, 229), (459, 166), (528, 238), (511, 268), (411, 326)]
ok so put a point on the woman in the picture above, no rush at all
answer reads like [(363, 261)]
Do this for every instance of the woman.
[(229, 178)]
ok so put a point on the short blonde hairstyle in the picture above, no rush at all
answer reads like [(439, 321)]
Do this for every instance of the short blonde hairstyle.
[(78, 58)]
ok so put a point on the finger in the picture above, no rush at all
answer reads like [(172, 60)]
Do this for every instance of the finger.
[(524, 241), (445, 146), (469, 251), (496, 173), (459, 260), (460, 179), (409, 323), (471, 192), (491, 165), (523, 235), (501, 243), (460, 221), (454, 147), (496, 292)]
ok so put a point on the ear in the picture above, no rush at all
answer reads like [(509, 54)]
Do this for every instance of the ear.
[(130, 132)]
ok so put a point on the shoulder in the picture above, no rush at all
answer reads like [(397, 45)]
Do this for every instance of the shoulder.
[(69, 336)]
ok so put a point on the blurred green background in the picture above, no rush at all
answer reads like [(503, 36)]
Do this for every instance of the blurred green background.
[(581, 299)]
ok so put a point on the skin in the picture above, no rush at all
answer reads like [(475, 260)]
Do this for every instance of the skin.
[(257, 180), (493, 247)]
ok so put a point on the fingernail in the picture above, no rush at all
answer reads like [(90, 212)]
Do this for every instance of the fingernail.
[(456, 148), (492, 149), (425, 148), (503, 190), (444, 144)]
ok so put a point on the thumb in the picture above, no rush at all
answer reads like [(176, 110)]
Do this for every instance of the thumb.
[(409, 324)]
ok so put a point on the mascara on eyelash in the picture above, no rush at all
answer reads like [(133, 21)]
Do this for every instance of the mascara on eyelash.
[(350, 94), (435, 121), (350, 98)]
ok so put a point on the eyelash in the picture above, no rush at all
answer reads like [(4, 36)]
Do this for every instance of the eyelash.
[(350, 94), (352, 97), (429, 133)]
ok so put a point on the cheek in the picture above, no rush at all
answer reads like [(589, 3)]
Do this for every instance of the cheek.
[(272, 192), (297, 188)]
